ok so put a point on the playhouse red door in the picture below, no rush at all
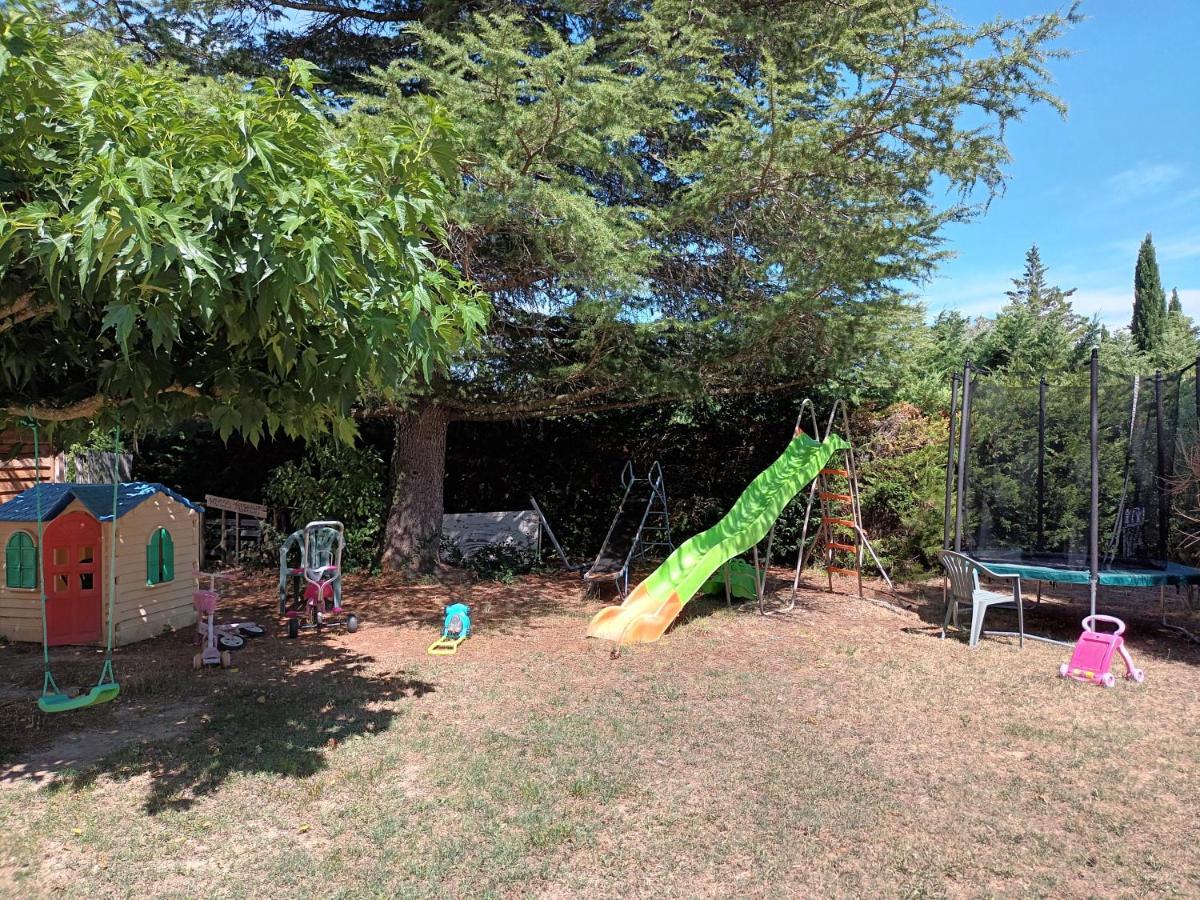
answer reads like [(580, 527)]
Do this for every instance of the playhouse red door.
[(73, 583)]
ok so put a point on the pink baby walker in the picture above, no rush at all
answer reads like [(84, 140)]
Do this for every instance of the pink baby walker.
[(1093, 656)]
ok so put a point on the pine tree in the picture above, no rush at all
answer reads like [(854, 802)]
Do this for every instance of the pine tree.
[(1149, 301), (1037, 331), (1179, 345), (1032, 290)]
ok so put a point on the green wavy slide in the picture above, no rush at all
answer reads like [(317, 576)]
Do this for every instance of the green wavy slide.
[(653, 605)]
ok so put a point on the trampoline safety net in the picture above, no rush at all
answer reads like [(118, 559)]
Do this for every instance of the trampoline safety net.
[(1027, 480)]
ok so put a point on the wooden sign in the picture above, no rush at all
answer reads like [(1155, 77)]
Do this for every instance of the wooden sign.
[(240, 507)]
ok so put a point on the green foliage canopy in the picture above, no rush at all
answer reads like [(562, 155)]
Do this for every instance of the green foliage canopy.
[(1037, 332), (666, 201), (331, 476), (174, 247)]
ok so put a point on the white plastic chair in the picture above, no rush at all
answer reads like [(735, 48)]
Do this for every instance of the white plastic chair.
[(963, 574)]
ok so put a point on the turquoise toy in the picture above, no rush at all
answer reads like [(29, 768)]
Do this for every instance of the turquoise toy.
[(455, 630)]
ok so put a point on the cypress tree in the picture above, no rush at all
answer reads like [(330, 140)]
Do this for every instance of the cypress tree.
[(1149, 300), (1175, 306)]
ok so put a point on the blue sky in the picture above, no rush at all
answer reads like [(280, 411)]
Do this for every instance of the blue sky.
[(1086, 189)]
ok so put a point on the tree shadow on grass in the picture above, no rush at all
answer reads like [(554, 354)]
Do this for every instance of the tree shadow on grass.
[(397, 601), (284, 722)]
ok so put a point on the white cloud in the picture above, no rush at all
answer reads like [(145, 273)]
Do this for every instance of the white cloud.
[(977, 295), (1190, 300), (1141, 179)]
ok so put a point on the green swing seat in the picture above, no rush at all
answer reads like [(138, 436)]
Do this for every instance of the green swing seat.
[(101, 693), (53, 699)]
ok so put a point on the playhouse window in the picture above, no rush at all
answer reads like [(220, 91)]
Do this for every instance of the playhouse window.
[(160, 557), (20, 562)]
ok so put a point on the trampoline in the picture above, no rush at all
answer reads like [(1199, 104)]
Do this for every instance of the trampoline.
[(1073, 481), (1169, 574)]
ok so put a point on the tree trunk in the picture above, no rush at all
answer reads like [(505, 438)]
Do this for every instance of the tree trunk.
[(414, 524)]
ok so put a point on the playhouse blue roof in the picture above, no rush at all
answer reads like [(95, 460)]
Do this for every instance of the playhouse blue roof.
[(98, 498)]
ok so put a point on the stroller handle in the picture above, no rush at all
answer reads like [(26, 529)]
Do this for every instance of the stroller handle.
[(1089, 623)]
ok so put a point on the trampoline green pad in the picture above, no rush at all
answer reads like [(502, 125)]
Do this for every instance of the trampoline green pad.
[(1161, 574)]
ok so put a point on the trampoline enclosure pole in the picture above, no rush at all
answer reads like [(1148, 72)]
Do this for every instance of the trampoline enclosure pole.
[(1041, 464), (1164, 519), (964, 445), (946, 510), (1094, 514)]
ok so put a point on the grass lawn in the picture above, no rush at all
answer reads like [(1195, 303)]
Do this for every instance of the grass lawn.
[(842, 749)]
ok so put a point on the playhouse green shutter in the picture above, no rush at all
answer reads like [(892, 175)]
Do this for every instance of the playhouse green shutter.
[(20, 562), (160, 557), (153, 551), (168, 555)]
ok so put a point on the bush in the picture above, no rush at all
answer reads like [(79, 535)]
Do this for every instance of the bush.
[(902, 479), (333, 481)]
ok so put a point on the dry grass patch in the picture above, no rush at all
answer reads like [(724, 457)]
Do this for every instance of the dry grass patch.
[(842, 749)]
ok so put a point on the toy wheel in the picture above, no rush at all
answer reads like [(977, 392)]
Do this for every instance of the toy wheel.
[(1108, 680), (1137, 676), (251, 629), (293, 628), (226, 659), (1062, 670), (231, 642), (197, 661), (351, 623)]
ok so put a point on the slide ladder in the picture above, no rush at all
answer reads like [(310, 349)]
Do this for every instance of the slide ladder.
[(841, 542)]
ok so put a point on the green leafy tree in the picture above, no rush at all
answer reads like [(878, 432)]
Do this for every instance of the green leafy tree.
[(1149, 301), (333, 476), (1180, 346), (173, 248)]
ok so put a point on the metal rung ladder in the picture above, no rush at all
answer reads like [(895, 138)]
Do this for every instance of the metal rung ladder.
[(841, 541), (654, 540), (841, 530)]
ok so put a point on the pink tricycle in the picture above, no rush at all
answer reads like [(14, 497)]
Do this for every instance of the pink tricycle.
[(315, 584), (1093, 656)]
